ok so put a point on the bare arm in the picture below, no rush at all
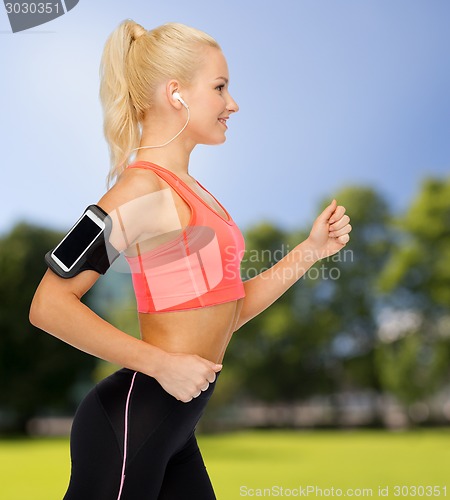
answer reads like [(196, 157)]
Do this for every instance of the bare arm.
[(330, 233), (57, 309)]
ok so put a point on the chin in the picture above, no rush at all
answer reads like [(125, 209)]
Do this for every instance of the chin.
[(214, 142)]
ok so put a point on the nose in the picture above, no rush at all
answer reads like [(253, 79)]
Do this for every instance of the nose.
[(232, 105)]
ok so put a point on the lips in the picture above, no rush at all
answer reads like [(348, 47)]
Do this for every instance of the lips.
[(223, 121)]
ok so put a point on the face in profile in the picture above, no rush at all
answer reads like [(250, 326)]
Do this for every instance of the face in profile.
[(209, 99)]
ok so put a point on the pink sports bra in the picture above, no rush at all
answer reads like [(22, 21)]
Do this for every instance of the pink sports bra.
[(199, 267)]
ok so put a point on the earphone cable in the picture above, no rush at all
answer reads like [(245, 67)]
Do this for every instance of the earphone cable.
[(173, 138)]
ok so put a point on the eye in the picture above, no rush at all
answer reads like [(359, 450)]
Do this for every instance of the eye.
[(220, 87)]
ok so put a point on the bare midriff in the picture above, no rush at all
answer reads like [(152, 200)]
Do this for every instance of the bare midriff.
[(205, 331)]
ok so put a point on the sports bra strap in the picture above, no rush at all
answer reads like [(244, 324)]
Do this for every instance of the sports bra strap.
[(165, 174)]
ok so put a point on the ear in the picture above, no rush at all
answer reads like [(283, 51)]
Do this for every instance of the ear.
[(171, 87)]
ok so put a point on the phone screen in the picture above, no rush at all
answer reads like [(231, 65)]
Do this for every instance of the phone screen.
[(77, 241)]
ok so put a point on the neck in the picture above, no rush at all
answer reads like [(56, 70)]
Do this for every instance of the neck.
[(174, 157)]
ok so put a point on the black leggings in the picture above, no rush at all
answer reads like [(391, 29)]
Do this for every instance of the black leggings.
[(163, 460)]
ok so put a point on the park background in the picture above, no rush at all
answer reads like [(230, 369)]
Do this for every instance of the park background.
[(345, 99)]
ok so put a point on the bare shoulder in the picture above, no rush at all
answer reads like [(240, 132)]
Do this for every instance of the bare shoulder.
[(132, 184), (140, 206)]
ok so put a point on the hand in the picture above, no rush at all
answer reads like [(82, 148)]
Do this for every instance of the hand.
[(330, 231), (185, 376)]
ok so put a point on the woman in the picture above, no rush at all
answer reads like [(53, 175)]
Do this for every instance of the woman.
[(163, 92)]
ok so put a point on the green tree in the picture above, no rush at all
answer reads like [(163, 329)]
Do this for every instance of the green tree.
[(319, 336), (413, 356), (354, 295), (275, 355), (38, 372)]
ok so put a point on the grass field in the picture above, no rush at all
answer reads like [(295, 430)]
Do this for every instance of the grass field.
[(244, 464)]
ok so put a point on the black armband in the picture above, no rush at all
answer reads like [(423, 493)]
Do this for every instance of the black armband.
[(85, 247)]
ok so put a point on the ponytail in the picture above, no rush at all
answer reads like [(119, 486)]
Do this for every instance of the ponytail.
[(133, 63), (120, 117)]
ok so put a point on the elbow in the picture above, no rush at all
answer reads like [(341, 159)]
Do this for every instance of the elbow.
[(241, 322), (51, 303), (37, 308), (43, 308), (242, 319), (48, 307), (241, 316)]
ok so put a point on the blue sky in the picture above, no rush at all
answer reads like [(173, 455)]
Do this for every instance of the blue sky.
[(331, 93)]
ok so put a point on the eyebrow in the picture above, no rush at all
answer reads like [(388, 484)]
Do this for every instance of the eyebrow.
[(222, 78)]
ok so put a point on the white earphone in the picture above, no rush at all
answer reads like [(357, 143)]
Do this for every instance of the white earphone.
[(177, 96)]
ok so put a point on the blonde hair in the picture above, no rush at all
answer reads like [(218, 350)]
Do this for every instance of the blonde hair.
[(134, 62)]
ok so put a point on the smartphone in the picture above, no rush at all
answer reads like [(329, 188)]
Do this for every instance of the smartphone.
[(78, 240)]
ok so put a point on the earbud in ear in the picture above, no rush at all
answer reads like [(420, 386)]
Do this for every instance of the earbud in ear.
[(177, 97)]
